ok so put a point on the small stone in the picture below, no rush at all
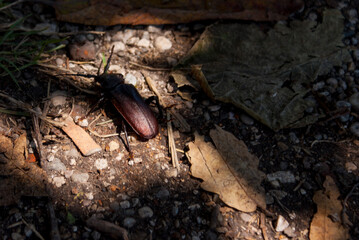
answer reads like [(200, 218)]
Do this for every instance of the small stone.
[(133, 41), (46, 28), (59, 62), (290, 232), (281, 176), (282, 224), (113, 145), (101, 163), (68, 173), (162, 193), (130, 79), (154, 29), (72, 162), (293, 137), (16, 236), (59, 181), (275, 183), (50, 158), (354, 101), (115, 206), (145, 43), (162, 43), (73, 153), (246, 119), (129, 222), (246, 217), (125, 204), (120, 156), (332, 82), (58, 100), (80, 177), (56, 165), (96, 235), (82, 52), (171, 61), (137, 160), (90, 37), (89, 195), (344, 105), (350, 167), (145, 212), (118, 47), (214, 108), (318, 85), (172, 172), (83, 122)]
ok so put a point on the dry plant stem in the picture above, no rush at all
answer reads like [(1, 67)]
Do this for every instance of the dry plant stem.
[(263, 226), (28, 108), (184, 125), (55, 234), (95, 133), (108, 228), (10, 5), (148, 68), (345, 203), (153, 88), (38, 137), (33, 229), (171, 142)]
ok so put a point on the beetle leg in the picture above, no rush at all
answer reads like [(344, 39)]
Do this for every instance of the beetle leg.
[(150, 99), (100, 101), (126, 136)]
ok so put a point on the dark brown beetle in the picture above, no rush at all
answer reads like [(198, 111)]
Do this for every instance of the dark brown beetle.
[(128, 103)]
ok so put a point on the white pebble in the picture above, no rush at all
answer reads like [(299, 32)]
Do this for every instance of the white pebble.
[(59, 181), (145, 43), (281, 224), (118, 46), (130, 79), (145, 212), (113, 145), (101, 163), (162, 43)]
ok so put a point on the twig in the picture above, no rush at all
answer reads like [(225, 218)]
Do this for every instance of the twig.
[(55, 234), (114, 231), (28, 108), (263, 226), (153, 88), (11, 4), (345, 202), (99, 135), (33, 229), (148, 67), (171, 142)]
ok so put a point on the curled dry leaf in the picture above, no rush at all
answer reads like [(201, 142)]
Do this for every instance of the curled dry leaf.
[(230, 170), (326, 222)]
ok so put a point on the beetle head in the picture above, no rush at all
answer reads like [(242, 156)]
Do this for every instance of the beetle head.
[(109, 81)]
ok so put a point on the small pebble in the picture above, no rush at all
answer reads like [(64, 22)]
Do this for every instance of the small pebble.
[(56, 165), (125, 204), (281, 224), (96, 235), (130, 79), (246, 217), (72, 162), (129, 222), (350, 167), (115, 206), (354, 101), (83, 122), (172, 172), (89, 195), (145, 212), (113, 145), (246, 119), (59, 62), (154, 29), (344, 105), (171, 61), (80, 177), (133, 41), (162, 43), (162, 193), (118, 46), (281, 176), (214, 108), (101, 163), (58, 100), (145, 43), (59, 181)]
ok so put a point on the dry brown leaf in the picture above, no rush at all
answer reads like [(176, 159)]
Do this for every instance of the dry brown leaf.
[(232, 187), (5, 145), (19, 152), (326, 223), (111, 12)]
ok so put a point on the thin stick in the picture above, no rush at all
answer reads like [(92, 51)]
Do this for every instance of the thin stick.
[(153, 88), (345, 202), (11, 4), (263, 226), (171, 142), (28, 108), (33, 229), (99, 135)]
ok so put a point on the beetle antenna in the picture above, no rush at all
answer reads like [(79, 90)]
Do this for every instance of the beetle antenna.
[(98, 71), (109, 60)]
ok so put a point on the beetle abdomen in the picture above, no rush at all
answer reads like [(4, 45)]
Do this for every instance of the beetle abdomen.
[(134, 110)]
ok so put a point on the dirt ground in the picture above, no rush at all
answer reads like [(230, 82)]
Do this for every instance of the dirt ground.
[(146, 195)]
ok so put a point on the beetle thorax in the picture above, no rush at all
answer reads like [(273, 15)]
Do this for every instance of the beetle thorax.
[(109, 81)]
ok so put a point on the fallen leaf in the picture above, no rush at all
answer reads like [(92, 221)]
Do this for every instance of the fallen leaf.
[(110, 12), (6, 145), (268, 74), (223, 175), (326, 223)]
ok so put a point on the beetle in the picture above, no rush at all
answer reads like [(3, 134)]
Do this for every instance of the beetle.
[(128, 103)]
